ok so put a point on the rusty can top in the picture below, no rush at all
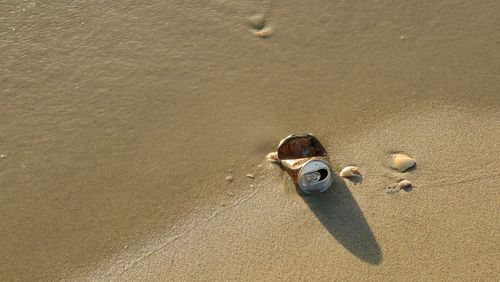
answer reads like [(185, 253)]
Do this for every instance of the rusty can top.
[(302, 145)]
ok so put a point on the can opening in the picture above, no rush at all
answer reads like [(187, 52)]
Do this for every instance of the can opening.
[(324, 173), (315, 176)]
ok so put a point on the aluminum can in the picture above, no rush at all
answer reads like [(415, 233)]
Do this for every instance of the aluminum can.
[(305, 159)]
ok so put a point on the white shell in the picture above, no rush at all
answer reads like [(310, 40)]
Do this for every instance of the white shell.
[(402, 162), (267, 31), (349, 171)]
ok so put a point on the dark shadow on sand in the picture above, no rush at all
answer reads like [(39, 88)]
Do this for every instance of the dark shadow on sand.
[(339, 213)]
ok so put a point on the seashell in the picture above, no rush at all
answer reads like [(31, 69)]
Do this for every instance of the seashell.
[(257, 21), (250, 176), (267, 31), (349, 171), (402, 162), (404, 184)]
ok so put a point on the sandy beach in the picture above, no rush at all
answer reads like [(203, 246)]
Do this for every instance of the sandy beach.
[(120, 124), (445, 228)]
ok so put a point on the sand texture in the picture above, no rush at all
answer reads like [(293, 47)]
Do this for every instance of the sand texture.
[(445, 227)]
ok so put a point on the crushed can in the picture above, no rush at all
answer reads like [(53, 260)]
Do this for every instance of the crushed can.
[(306, 161)]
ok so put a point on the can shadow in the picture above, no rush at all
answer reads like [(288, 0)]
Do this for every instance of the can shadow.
[(340, 214)]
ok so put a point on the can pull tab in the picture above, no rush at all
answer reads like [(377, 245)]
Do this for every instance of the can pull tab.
[(312, 177), (315, 176)]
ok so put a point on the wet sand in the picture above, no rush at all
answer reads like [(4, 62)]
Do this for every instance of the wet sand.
[(120, 124), (444, 228)]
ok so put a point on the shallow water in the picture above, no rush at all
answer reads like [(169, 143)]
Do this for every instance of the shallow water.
[(118, 120)]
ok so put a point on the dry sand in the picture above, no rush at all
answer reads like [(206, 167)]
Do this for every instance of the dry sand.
[(120, 123)]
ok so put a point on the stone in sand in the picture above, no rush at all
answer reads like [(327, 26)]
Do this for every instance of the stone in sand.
[(404, 184), (229, 178), (257, 21), (402, 162), (250, 176)]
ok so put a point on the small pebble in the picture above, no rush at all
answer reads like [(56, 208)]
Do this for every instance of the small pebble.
[(3, 156), (404, 184), (273, 157), (229, 178), (257, 21), (402, 162), (349, 171), (267, 31), (250, 176)]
